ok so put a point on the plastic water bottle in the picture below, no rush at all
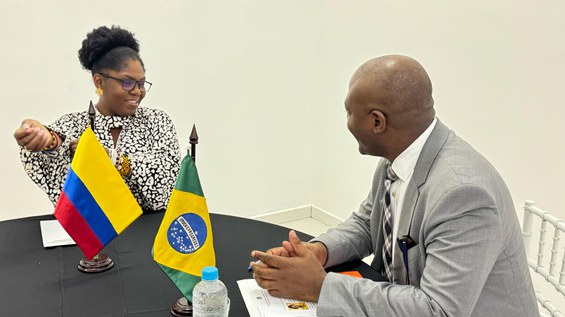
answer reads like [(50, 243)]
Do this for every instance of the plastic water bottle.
[(210, 295)]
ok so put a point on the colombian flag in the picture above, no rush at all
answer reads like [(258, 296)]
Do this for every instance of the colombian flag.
[(184, 245), (95, 204)]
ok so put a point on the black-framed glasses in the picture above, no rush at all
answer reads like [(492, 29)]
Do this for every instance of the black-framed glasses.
[(130, 84)]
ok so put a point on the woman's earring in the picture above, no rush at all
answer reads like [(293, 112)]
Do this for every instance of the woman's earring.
[(99, 91)]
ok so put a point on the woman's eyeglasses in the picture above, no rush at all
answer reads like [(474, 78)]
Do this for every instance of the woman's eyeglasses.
[(130, 84)]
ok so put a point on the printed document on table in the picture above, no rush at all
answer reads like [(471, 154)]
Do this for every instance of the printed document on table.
[(260, 304), (53, 234)]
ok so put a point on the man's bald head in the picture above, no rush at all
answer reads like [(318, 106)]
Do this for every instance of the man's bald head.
[(390, 98), (400, 82)]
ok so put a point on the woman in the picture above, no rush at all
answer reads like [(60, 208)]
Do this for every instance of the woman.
[(142, 141)]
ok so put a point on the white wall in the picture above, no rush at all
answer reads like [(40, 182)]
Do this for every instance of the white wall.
[(265, 80), (498, 71)]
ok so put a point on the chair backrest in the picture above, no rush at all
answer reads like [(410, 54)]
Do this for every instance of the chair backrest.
[(549, 268)]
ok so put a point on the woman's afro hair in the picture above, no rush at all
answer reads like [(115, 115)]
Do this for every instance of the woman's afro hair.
[(102, 40)]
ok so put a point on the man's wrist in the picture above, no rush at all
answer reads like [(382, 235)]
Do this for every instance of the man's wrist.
[(321, 252)]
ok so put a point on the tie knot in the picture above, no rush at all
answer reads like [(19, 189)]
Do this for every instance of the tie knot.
[(390, 174)]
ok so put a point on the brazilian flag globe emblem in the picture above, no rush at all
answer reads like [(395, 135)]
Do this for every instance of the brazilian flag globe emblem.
[(184, 243), (187, 233)]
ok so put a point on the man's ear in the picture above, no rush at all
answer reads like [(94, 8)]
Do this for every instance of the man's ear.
[(379, 121)]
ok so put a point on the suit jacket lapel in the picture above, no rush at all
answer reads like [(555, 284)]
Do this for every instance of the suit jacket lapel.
[(429, 153)]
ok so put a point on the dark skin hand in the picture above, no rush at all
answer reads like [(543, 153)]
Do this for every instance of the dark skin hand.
[(73, 147), (294, 270), (115, 133), (32, 135)]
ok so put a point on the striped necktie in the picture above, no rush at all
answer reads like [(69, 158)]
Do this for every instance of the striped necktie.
[(387, 223)]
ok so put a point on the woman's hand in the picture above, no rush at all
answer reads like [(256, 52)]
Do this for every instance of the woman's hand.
[(73, 147), (33, 136)]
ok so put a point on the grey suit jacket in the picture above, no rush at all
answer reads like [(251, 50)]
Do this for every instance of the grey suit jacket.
[(469, 259)]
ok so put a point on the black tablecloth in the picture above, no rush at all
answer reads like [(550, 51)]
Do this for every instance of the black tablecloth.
[(37, 281)]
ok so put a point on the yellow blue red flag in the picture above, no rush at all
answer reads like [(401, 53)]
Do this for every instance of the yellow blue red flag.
[(184, 244), (95, 204)]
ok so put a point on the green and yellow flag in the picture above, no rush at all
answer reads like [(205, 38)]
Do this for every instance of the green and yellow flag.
[(184, 243)]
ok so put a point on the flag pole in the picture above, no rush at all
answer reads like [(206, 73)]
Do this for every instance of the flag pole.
[(183, 307), (100, 262)]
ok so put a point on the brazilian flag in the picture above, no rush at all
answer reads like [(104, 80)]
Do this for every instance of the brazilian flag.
[(184, 243)]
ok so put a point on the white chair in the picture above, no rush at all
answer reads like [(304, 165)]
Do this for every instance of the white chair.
[(545, 267)]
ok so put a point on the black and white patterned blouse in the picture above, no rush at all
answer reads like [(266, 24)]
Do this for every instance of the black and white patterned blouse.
[(148, 138)]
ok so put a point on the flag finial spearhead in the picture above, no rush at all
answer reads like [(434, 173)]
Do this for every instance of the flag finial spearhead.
[(193, 140), (91, 114)]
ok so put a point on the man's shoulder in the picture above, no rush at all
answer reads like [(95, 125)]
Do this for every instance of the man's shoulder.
[(458, 163)]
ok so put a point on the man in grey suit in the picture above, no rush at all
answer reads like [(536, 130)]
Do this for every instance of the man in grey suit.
[(457, 248)]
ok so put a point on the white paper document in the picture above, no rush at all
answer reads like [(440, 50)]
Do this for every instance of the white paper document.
[(260, 304), (53, 234)]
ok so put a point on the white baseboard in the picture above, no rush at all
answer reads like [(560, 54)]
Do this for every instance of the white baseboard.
[(298, 213), (286, 215), (325, 217)]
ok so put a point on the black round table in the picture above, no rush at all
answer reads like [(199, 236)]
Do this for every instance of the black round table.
[(38, 281)]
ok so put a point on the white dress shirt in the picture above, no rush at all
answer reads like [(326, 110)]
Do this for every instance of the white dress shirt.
[(403, 166)]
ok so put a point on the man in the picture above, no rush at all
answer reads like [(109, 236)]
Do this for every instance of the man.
[(448, 213)]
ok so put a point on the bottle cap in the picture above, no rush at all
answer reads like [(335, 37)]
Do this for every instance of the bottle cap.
[(209, 273)]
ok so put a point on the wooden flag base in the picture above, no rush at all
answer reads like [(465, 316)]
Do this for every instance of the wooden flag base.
[(181, 308), (99, 263)]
